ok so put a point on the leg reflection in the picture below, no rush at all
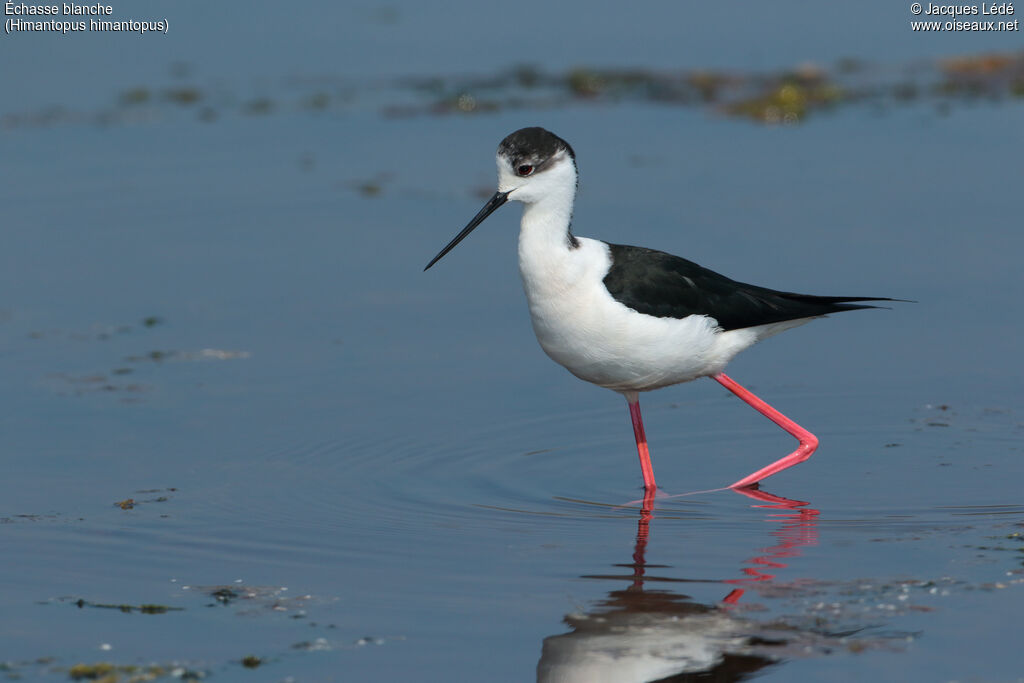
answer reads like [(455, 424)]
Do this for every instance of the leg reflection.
[(647, 631), (797, 528)]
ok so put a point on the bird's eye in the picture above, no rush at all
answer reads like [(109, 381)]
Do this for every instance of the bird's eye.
[(524, 169)]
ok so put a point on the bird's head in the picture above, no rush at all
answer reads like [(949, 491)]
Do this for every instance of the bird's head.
[(534, 165)]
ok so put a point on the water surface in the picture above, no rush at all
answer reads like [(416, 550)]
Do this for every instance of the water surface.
[(238, 420)]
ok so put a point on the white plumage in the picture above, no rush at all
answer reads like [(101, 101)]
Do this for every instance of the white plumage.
[(632, 319)]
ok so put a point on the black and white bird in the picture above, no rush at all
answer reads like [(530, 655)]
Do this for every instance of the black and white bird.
[(632, 319)]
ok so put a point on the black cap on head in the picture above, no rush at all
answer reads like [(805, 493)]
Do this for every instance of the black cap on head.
[(534, 146)]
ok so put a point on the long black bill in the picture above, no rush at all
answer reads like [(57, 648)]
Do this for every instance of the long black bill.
[(490, 207)]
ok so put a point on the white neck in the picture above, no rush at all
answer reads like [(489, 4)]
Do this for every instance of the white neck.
[(548, 200), (547, 222), (545, 250)]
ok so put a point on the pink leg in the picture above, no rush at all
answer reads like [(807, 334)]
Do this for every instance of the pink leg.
[(808, 442), (641, 443)]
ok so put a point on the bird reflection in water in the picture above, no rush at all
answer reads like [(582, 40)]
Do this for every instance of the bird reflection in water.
[(643, 634)]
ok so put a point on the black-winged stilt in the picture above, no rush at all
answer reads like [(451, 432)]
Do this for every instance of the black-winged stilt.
[(628, 318)]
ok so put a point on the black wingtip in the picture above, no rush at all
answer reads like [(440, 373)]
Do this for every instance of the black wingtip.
[(838, 304), (851, 301)]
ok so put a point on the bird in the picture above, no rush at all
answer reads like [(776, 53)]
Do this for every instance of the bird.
[(633, 319)]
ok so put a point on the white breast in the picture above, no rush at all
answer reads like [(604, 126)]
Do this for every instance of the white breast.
[(582, 327)]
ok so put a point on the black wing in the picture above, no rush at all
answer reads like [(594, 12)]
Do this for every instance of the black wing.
[(666, 286)]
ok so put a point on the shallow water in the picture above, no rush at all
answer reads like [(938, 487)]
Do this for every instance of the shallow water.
[(231, 392)]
